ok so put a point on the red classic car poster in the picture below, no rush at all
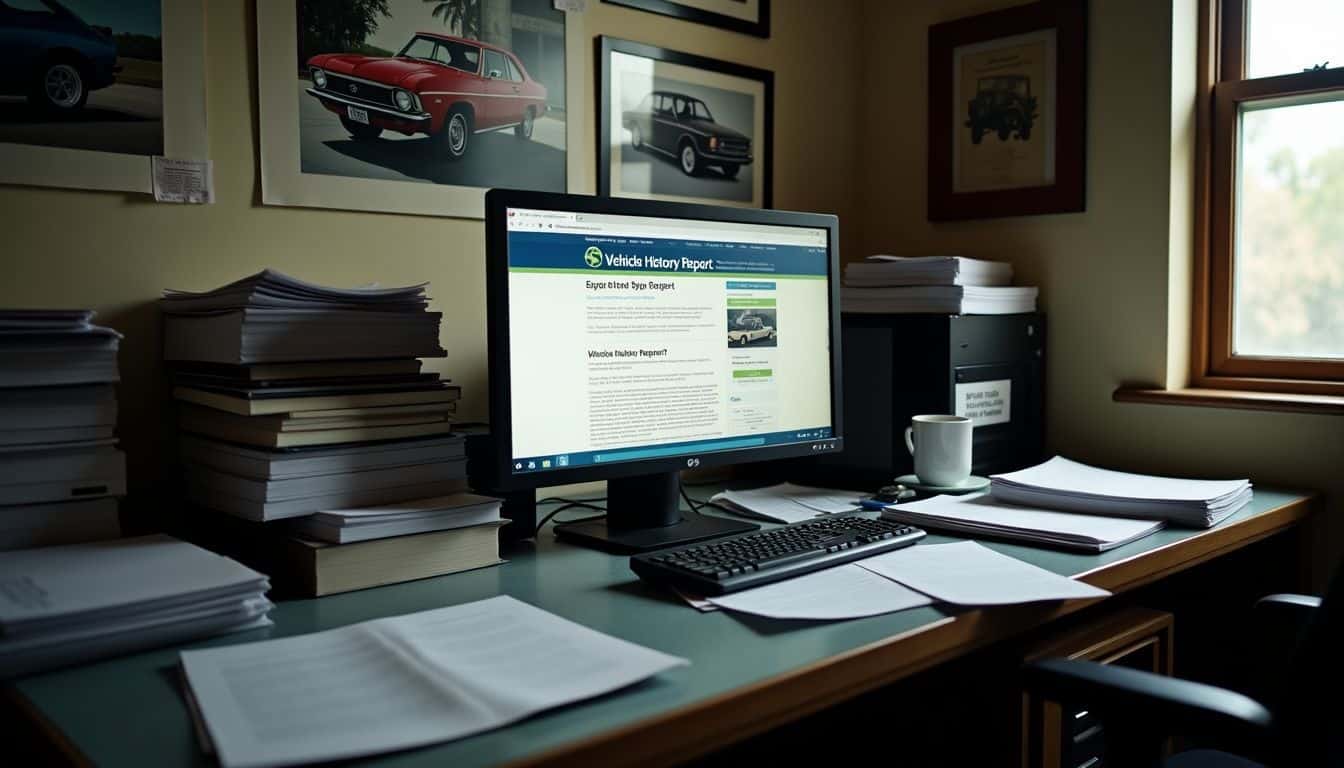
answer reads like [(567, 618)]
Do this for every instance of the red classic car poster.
[(460, 94)]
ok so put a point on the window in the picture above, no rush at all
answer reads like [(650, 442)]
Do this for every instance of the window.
[(515, 74), (699, 109), (419, 48), (28, 6), (1270, 299), (495, 65)]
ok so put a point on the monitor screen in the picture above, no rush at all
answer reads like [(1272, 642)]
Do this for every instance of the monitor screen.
[(633, 338)]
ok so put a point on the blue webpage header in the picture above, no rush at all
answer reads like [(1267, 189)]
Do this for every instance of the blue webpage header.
[(600, 253)]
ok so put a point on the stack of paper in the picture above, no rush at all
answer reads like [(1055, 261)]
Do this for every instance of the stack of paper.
[(939, 299), (983, 515), (403, 682), (81, 602), (59, 468), (933, 284), (1068, 485), (271, 317), (786, 502), (882, 270), (443, 513)]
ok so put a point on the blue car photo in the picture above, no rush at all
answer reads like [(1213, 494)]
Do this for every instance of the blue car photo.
[(51, 56)]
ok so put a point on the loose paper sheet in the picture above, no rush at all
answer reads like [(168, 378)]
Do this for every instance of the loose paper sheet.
[(967, 573), (844, 592), (404, 681)]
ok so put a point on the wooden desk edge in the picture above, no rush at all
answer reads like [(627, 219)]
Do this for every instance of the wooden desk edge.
[(700, 728), (697, 729)]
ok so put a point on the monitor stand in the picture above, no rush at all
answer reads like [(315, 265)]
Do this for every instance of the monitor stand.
[(643, 514)]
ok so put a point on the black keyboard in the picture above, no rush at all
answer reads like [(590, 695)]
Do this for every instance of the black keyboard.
[(752, 559)]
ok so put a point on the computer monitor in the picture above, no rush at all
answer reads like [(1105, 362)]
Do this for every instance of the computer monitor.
[(630, 340)]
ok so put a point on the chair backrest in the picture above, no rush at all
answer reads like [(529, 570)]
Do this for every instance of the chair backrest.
[(1310, 709)]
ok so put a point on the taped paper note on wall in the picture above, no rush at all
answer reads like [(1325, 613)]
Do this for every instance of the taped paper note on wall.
[(986, 402), (183, 181)]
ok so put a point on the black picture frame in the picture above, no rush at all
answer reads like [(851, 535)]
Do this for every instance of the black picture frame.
[(758, 28), (606, 46)]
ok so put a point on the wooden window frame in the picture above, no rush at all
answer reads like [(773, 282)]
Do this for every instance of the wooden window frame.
[(1222, 91)]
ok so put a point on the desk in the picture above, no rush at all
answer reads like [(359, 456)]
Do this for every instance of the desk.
[(746, 676)]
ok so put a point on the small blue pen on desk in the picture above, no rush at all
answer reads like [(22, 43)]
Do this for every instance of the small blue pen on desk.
[(875, 505)]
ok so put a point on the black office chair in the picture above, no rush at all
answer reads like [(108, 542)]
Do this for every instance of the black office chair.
[(1299, 723)]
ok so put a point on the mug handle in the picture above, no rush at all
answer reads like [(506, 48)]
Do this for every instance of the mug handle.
[(909, 443)]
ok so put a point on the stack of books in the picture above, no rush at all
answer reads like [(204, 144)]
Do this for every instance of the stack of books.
[(60, 469), (297, 400), (1067, 485), (933, 284), (80, 602)]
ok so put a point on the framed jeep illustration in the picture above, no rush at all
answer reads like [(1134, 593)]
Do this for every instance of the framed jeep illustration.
[(1006, 112)]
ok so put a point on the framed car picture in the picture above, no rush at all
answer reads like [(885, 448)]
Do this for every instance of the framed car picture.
[(676, 126), (91, 91), (750, 17), (1007, 110), (417, 106)]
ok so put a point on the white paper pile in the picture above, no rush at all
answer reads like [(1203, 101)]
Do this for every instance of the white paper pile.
[(939, 299), (983, 515), (786, 502), (59, 468), (882, 270), (443, 513), (403, 682), (1063, 484), (80, 602), (272, 317)]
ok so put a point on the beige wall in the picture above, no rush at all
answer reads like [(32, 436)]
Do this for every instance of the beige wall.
[(1114, 279), (116, 252)]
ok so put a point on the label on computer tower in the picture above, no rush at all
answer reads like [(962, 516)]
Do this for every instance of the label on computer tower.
[(985, 402)]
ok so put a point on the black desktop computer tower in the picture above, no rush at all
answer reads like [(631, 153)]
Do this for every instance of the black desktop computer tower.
[(990, 367)]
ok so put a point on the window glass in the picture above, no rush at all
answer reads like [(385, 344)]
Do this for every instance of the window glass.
[(700, 110), (514, 74), (1285, 36), (495, 65), (1289, 251), (419, 48), (32, 6)]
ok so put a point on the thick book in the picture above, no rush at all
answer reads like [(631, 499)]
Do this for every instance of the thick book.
[(323, 485), (274, 289), (939, 299), (58, 407), (319, 369), (438, 393), (282, 422), (266, 438), (319, 460), (271, 336), (324, 569), (63, 522), (263, 511), (343, 526), (61, 473)]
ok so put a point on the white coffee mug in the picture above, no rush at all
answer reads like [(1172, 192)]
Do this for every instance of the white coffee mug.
[(941, 446)]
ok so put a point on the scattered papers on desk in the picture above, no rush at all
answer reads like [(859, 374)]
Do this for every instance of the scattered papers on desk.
[(844, 592), (1063, 484), (402, 682), (983, 515), (966, 573), (80, 602), (786, 502)]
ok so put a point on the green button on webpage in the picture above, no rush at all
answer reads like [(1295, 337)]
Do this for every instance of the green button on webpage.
[(752, 373), (751, 302)]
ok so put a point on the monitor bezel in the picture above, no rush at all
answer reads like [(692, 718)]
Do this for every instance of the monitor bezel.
[(497, 201)]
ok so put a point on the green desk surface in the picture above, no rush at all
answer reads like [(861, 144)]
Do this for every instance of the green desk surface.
[(128, 711)]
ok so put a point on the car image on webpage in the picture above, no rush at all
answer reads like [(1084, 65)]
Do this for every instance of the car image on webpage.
[(752, 328)]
